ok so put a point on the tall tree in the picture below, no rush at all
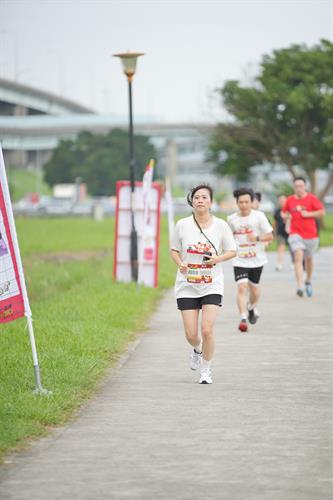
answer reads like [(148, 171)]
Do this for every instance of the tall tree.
[(100, 160), (285, 117)]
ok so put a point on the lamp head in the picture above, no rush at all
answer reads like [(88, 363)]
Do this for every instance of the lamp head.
[(128, 60)]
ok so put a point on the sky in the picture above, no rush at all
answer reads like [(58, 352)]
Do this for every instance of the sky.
[(191, 48)]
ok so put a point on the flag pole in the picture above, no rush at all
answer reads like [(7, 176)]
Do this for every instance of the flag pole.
[(39, 388)]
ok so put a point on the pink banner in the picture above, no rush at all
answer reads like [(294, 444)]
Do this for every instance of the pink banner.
[(12, 304)]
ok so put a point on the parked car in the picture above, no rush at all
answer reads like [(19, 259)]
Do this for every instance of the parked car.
[(83, 208), (108, 204), (54, 206), (25, 207)]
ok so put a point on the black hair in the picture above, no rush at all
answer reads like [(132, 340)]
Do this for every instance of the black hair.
[(257, 196), (300, 178), (242, 191), (195, 189)]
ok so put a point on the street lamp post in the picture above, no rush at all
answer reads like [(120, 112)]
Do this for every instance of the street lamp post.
[(128, 60)]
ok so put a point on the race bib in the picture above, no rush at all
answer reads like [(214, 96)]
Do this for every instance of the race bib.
[(199, 273), (197, 270), (246, 249)]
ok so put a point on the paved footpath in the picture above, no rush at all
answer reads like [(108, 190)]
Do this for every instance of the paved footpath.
[(261, 431)]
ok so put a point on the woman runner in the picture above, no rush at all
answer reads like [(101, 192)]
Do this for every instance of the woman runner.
[(200, 244)]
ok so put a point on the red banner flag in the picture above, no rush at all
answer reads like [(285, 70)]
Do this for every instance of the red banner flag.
[(13, 296)]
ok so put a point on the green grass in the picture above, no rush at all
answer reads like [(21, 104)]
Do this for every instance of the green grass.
[(23, 181), (41, 236), (82, 321), (326, 232)]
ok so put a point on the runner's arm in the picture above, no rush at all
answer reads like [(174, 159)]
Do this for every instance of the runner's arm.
[(314, 213), (285, 214), (265, 232), (266, 238), (275, 226), (227, 255), (263, 238), (177, 260)]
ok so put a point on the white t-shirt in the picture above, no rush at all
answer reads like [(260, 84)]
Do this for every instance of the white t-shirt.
[(249, 254), (201, 279)]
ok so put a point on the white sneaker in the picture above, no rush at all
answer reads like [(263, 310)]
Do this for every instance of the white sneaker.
[(206, 376), (195, 360)]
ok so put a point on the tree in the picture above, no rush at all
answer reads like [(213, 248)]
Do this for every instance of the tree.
[(100, 160), (285, 118)]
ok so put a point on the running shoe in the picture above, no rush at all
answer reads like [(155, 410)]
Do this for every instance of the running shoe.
[(195, 359), (242, 327), (278, 267), (253, 316), (308, 289), (206, 376), (300, 292)]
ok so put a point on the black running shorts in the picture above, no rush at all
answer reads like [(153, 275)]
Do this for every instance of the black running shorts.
[(187, 303), (251, 274)]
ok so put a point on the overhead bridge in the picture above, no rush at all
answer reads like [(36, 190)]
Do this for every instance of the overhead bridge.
[(19, 99)]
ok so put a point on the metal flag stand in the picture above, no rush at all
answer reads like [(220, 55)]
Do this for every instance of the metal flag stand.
[(39, 388)]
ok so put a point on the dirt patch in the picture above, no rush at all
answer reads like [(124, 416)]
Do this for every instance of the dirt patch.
[(81, 256)]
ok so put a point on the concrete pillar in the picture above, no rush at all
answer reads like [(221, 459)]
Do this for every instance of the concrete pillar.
[(17, 158), (20, 110)]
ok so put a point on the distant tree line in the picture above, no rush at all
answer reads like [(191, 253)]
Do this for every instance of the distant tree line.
[(99, 160), (285, 117)]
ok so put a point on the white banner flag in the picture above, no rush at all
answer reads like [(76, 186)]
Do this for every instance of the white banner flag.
[(169, 207), (147, 250)]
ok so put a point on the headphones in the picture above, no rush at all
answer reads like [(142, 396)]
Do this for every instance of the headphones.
[(189, 198)]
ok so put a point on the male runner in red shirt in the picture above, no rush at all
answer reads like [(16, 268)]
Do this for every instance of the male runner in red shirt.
[(303, 208)]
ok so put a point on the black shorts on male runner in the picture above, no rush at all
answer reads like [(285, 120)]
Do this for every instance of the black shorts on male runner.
[(189, 303), (251, 274)]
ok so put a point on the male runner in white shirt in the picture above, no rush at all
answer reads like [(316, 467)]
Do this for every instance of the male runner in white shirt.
[(251, 229)]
